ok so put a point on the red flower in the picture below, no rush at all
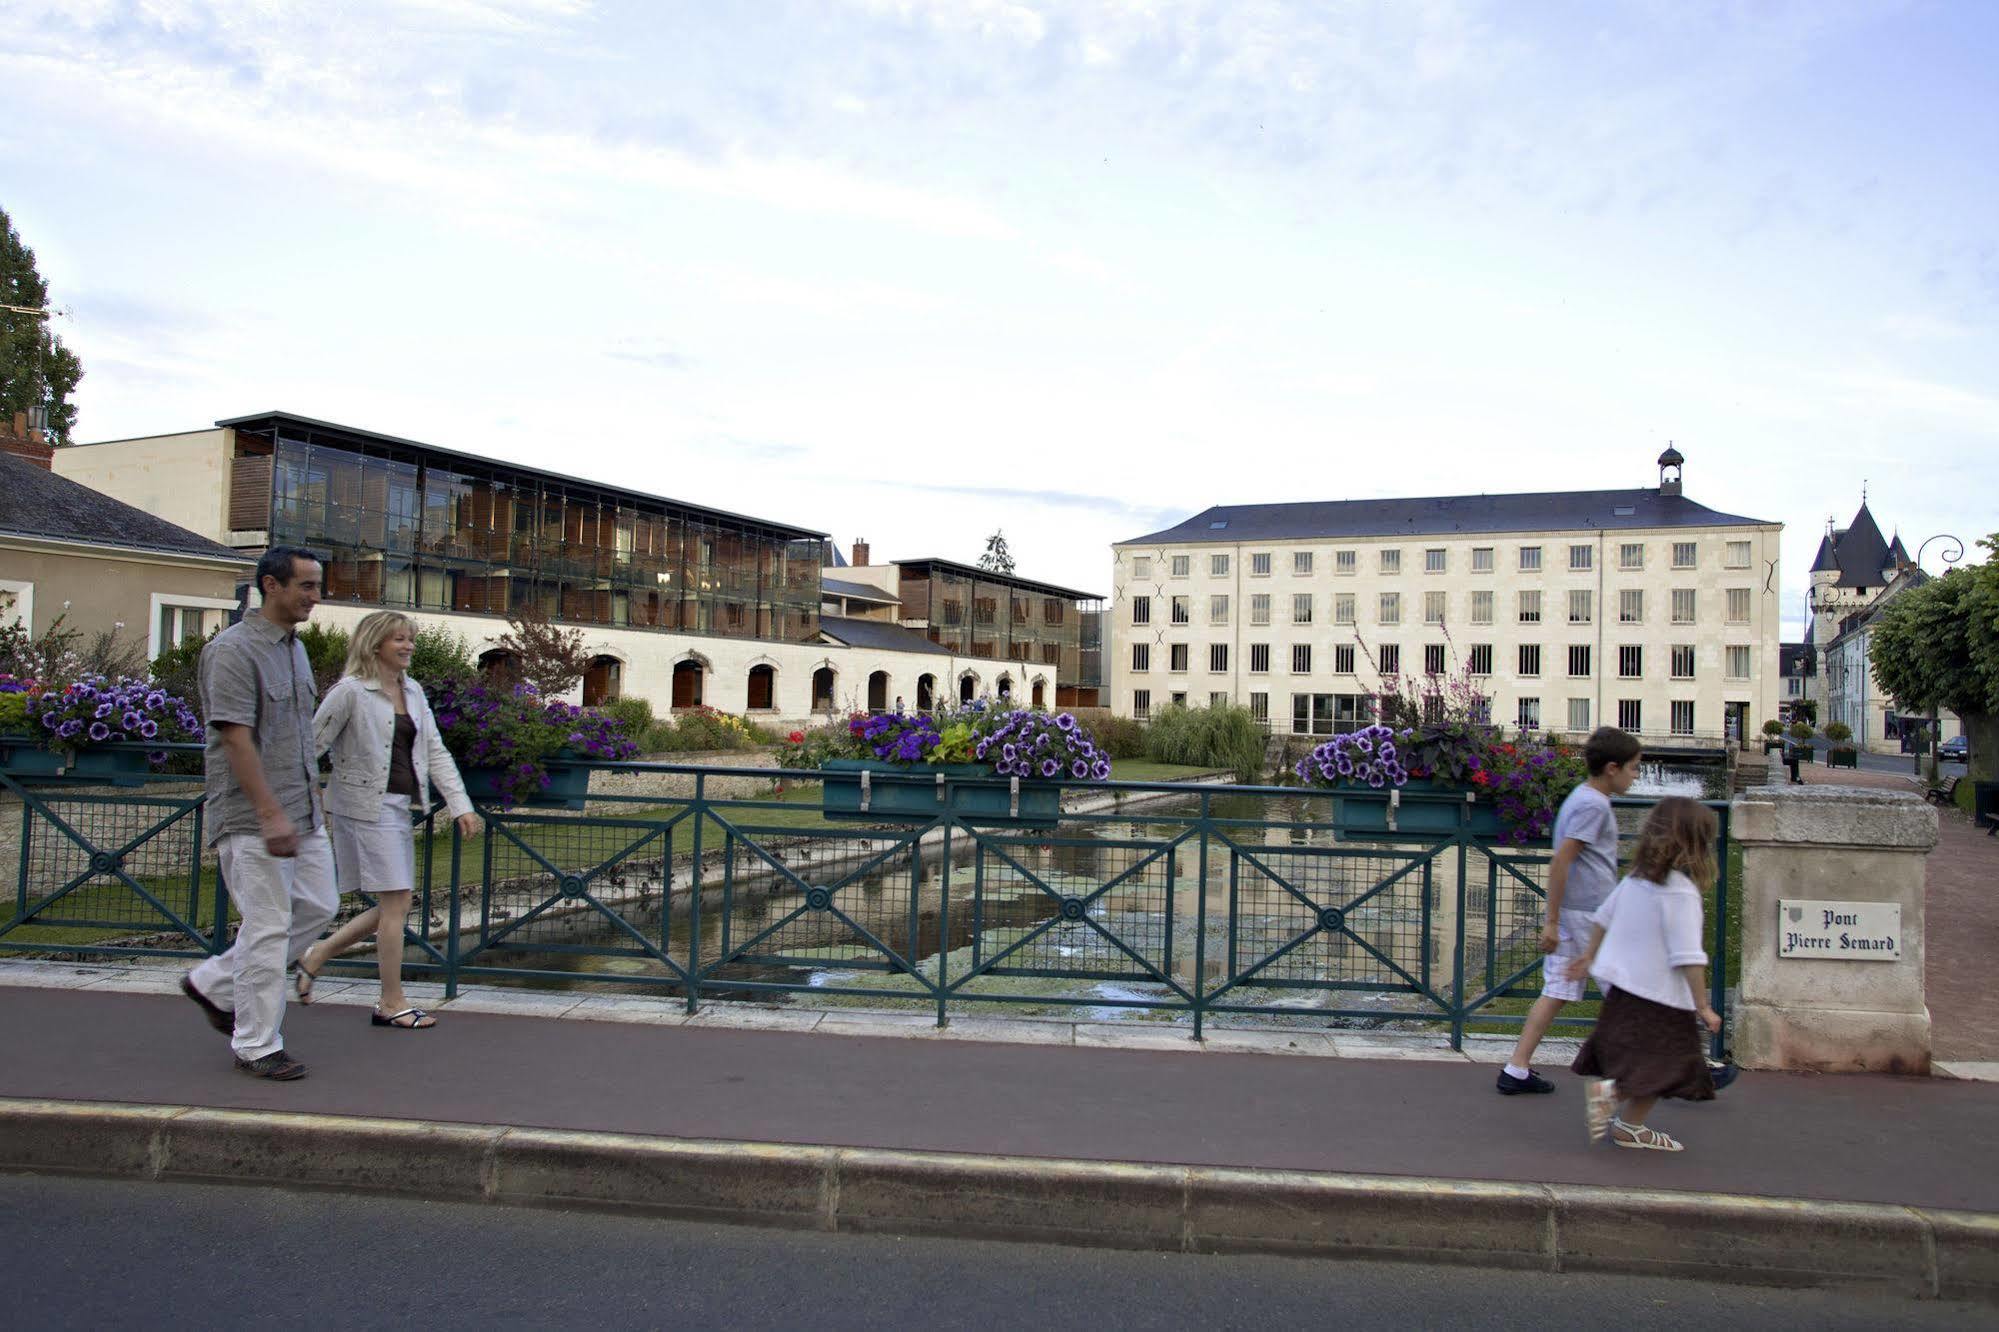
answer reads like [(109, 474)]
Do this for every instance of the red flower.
[(796, 737), (1481, 778)]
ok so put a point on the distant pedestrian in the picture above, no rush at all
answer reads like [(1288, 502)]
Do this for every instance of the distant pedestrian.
[(1645, 953), (387, 755), (898, 705), (262, 812), (1580, 877), (1792, 753)]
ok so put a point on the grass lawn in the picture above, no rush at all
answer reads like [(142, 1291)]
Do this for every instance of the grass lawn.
[(1144, 770)]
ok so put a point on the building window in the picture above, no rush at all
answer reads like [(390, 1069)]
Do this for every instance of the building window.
[(1579, 605), (1530, 608), (1683, 605), (1481, 659), (1530, 559), (1683, 661), (1737, 555), (1389, 657), (1343, 659), (1683, 716), (1218, 658), (1301, 608), (1433, 659), (1391, 561), (1579, 715), (1345, 562), (1181, 564), (1684, 554), (1217, 697), (1481, 607), (1176, 658), (1259, 608), (1738, 605), (1180, 613), (1391, 608), (1528, 714), (1259, 658), (1178, 698), (1434, 560), (1351, 712), (1579, 659), (1141, 704), (1301, 715), (1582, 558), (1259, 708), (1301, 658), (1481, 559), (1631, 606), (1342, 608), (1433, 607), (1218, 566), (1630, 662), (1631, 555), (1738, 663), (1141, 657), (1218, 610), (1259, 564), (1141, 567), (1141, 610), (1630, 715), (1530, 659), (1301, 561)]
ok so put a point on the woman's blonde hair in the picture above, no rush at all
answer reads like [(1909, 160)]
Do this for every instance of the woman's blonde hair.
[(1678, 835), (369, 635)]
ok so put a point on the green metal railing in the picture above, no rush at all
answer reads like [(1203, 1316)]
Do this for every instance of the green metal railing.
[(1170, 900)]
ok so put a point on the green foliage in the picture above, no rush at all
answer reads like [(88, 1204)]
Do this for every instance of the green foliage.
[(1118, 737), (1937, 646), (633, 715), (1773, 727), (1838, 732), (1223, 736), (13, 712), (440, 655), (1801, 730), (997, 557), (326, 649), (702, 730), (36, 369), (53, 659), (178, 669)]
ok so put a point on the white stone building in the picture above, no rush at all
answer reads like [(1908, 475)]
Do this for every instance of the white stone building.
[(1638, 608)]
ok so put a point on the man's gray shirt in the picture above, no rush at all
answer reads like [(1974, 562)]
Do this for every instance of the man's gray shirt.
[(255, 674)]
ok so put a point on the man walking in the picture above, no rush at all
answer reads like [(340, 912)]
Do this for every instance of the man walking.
[(263, 814)]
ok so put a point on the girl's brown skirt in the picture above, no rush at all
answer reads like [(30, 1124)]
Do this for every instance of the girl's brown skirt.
[(1649, 1049)]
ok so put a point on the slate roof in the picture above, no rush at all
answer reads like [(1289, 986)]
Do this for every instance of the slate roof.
[(1794, 659), (879, 637), (840, 587), (1545, 511), (1859, 553), (923, 565), (35, 502)]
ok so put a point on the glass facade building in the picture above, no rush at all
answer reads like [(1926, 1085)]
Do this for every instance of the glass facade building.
[(1001, 618), (406, 525)]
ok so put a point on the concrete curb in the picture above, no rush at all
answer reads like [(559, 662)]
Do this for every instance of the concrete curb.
[(1913, 1251)]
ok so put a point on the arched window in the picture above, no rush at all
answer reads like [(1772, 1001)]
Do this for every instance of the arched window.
[(687, 679), (1005, 688), (968, 687), (926, 692), (1040, 695), (603, 680), (878, 691), (763, 688), (822, 689), (499, 666)]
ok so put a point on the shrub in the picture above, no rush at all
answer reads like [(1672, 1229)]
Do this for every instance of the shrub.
[(1224, 736), (178, 669), (551, 659), (1773, 727), (440, 655), (326, 649), (1838, 732), (1119, 737), (1801, 730), (631, 713)]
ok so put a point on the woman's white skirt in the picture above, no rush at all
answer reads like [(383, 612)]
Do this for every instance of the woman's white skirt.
[(378, 857)]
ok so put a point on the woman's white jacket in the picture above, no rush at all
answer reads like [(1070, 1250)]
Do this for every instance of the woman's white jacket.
[(357, 721)]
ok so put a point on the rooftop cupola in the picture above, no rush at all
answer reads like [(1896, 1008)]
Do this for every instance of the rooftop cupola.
[(1670, 463)]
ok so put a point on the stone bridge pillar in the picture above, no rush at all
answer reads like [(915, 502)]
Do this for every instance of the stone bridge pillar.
[(1833, 1005)]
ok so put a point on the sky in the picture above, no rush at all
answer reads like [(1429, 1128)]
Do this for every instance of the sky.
[(917, 270)]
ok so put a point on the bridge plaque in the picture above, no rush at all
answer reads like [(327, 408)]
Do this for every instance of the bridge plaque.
[(1839, 931)]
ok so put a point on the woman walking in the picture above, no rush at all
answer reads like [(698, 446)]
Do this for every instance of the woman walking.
[(1645, 953), (387, 755)]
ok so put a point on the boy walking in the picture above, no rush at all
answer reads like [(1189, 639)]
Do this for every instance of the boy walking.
[(263, 813), (1582, 875)]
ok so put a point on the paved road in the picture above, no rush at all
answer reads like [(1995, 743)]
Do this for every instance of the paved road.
[(123, 1254), (1918, 1141)]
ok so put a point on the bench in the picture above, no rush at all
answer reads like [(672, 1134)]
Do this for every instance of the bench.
[(1945, 794), (1984, 805)]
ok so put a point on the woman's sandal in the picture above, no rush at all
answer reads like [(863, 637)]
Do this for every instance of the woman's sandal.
[(302, 983), (418, 1020), (1599, 1107), (1642, 1139)]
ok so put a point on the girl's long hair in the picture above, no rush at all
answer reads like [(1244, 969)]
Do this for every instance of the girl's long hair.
[(1679, 834), (369, 635)]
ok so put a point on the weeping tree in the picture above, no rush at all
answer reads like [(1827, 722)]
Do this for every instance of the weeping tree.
[(1936, 647)]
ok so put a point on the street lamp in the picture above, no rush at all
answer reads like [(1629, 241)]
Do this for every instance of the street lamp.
[(1953, 553)]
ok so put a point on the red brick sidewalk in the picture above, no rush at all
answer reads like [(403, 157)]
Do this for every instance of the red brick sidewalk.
[(1962, 931)]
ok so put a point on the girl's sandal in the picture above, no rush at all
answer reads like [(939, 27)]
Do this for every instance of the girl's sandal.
[(302, 983), (1641, 1138), (409, 1019)]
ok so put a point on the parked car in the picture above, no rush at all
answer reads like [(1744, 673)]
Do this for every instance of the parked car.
[(1954, 750)]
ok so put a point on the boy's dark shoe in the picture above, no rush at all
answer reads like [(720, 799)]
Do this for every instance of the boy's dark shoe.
[(1533, 1082), (277, 1066), (1721, 1073), (219, 1018)]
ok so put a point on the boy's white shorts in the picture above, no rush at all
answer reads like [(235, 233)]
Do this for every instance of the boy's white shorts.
[(1574, 928)]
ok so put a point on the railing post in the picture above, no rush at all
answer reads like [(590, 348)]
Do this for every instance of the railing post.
[(700, 816), (1718, 955), (1200, 917), (943, 912), (455, 915), (1458, 933)]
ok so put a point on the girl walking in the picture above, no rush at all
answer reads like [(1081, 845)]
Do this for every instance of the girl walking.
[(1645, 953), (387, 756)]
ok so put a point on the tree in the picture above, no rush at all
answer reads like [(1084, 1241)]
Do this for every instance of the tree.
[(550, 659), (997, 557), (1937, 647), (36, 370)]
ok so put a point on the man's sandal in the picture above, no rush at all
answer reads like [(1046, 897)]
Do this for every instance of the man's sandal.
[(1642, 1139), (410, 1019)]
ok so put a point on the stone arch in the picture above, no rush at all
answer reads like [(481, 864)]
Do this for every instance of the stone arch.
[(761, 686), (498, 664), (926, 692), (603, 679), (825, 680), (968, 686), (878, 683), (1038, 692), (690, 680), (1003, 687)]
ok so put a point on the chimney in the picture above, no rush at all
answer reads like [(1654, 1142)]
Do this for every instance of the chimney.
[(26, 444), (860, 560)]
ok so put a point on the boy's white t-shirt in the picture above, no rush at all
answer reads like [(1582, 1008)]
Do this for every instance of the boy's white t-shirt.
[(1650, 930)]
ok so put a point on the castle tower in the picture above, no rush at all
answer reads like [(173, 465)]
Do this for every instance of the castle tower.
[(1853, 565)]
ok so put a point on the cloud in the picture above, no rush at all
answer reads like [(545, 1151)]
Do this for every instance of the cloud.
[(1109, 505), (1915, 327), (653, 357)]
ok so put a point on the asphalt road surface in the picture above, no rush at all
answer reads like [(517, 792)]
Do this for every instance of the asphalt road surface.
[(103, 1253)]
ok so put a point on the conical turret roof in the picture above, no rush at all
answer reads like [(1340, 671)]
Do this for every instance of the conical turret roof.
[(1824, 561), (1862, 552)]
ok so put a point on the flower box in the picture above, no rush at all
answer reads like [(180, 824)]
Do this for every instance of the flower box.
[(1423, 815), (1842, 758), (22, 757), (568, 786), (112, 765), (917, 793)]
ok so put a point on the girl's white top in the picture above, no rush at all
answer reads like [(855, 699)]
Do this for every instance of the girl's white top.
[(1649, 930)]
